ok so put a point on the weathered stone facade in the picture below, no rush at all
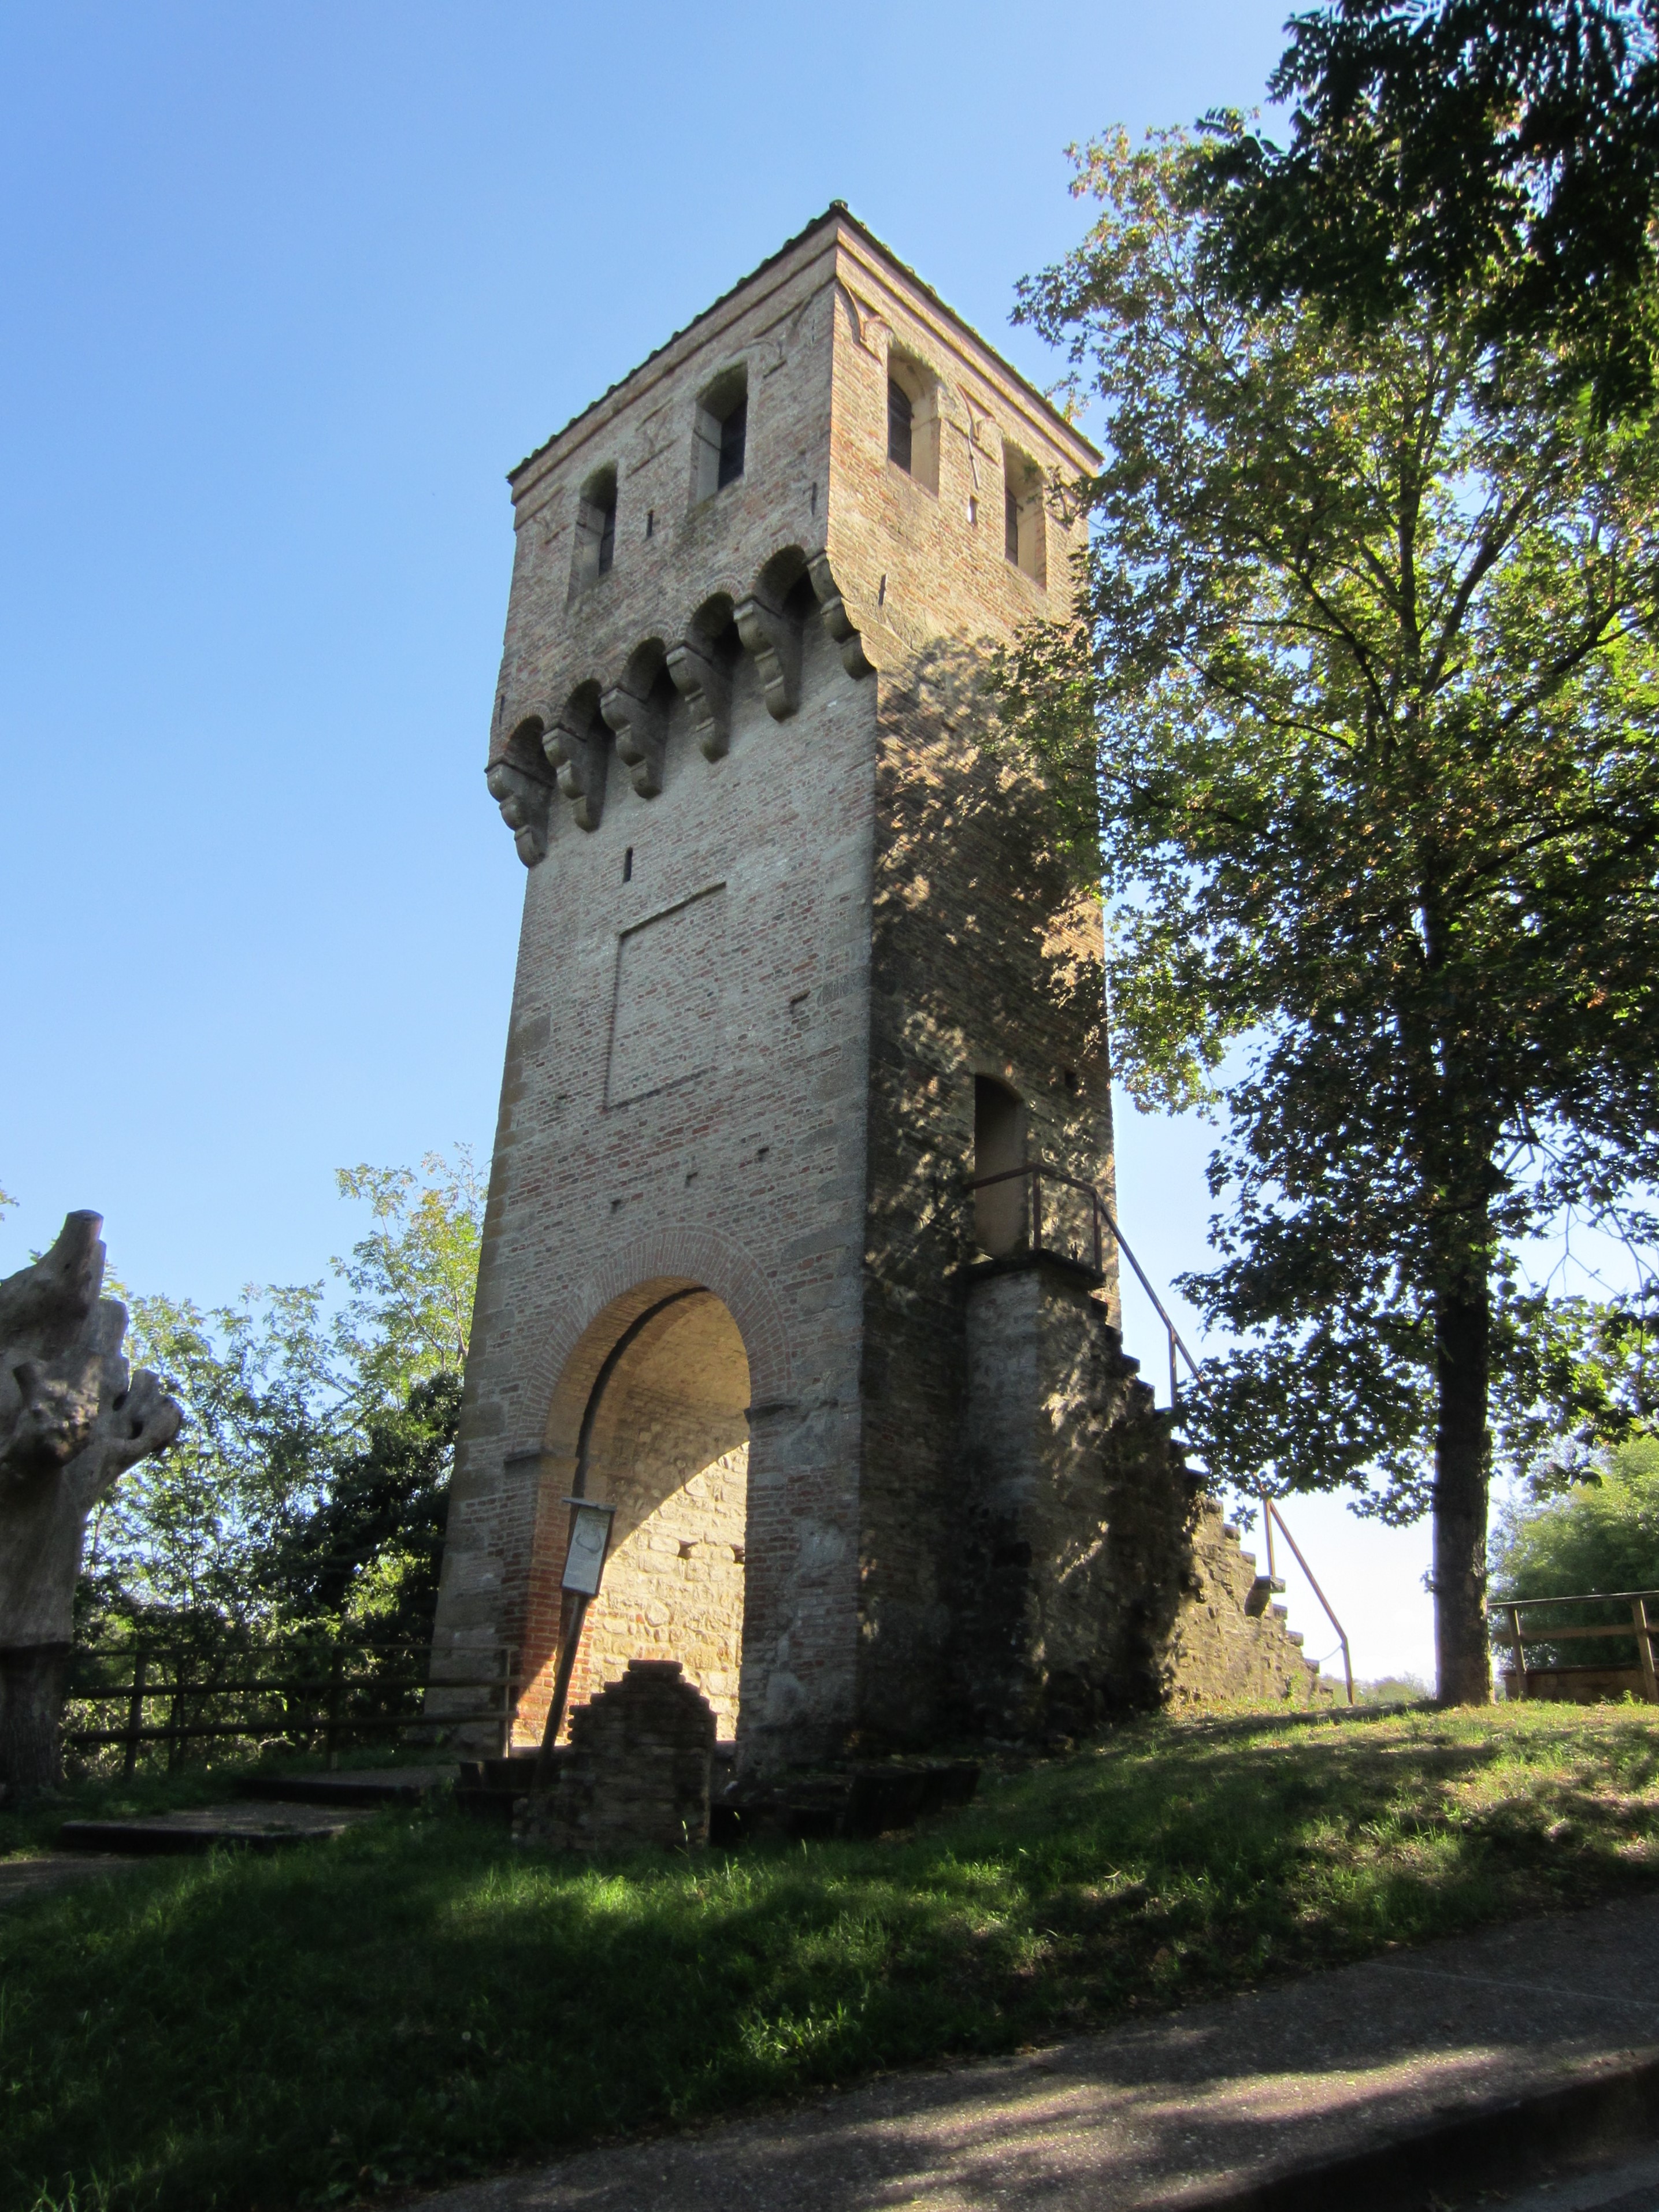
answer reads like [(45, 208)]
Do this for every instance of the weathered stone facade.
[(793, 962)]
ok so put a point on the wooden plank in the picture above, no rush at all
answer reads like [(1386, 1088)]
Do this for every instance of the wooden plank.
[(1638, 1612), (1520, 1656)]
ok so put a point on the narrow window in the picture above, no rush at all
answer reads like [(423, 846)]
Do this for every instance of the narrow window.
[(900, 425), (720, 447), (595, 530), (733, 432), (999, 1209), (913, 419), (628, 866), (1025, 514)]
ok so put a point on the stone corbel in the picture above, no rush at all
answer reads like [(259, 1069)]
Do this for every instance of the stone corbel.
[(525, 800), (837, 620), (577, 758), (642, 730), (775, 642), (703, 684)]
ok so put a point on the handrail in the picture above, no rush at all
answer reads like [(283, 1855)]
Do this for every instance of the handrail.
[(1035, 1172)]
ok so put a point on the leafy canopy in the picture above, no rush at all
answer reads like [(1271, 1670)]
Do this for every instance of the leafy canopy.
[(1355, 723), (308, 1481), (1604, 1535), (1493, 159)]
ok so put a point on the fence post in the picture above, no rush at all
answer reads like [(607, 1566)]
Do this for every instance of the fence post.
[(135, 1716), (175, 1711), (330, 1734), (1638, 1607), (1516, 1646)]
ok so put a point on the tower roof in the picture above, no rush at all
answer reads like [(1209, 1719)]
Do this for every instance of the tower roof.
[(837, 213)]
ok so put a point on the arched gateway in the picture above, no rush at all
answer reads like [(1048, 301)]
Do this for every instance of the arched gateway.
[(791, 950)]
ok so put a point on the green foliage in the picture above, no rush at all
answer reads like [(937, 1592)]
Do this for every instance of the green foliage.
[(1578, 1373), (1603, 1536), (1506, 149), (308, 1481), (380, 2013), (1356, 718)]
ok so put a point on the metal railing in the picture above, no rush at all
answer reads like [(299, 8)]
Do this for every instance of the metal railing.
[(1636, 1625), (304, 1694), (1035, 1174)]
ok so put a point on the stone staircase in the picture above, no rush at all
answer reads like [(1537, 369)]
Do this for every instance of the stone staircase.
[(1099, 1574), (1231, 1640)]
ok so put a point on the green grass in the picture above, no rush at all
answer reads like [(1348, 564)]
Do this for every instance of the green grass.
[(421, 2001)]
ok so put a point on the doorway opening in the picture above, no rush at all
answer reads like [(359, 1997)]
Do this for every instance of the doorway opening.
[(668, 1447), (999, 1213)]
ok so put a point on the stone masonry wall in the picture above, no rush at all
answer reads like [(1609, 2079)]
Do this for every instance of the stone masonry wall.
[(1098, 1578)]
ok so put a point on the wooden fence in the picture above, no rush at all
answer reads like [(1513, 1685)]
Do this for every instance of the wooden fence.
[(1544, 1625), (305, 1694)]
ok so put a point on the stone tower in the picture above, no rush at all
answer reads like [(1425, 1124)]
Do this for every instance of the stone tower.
[(794, 970)]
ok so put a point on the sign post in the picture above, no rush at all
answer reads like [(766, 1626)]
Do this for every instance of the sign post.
[(584, 1568)]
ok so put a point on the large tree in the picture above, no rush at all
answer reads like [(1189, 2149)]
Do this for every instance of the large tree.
[(1355, 720), (1492, 157)]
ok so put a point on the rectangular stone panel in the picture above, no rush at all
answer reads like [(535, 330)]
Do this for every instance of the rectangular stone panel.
[(665, 1013)]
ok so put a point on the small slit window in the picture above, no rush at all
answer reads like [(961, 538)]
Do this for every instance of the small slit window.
[(1025, 515), (913, 420), (722, 434), (595, 530)]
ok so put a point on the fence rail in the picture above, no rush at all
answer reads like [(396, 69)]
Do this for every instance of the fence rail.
[(1035, 1174), (331, 1695), (1635, 1624)]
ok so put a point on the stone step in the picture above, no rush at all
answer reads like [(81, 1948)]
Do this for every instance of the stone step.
[(260, 1827), (1263, 1588), (363, 1786)]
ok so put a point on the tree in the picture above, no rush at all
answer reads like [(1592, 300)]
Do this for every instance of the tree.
[(1354, 722), (1498, 155), (1603, 1535), (309, 1434)]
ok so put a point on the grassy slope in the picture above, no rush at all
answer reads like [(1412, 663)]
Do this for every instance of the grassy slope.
[(421, 2000)]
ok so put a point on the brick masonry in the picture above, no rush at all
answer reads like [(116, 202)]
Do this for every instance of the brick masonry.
[(784, 905)]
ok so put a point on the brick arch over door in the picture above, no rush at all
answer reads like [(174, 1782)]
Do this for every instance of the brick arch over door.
[(568, 1359)]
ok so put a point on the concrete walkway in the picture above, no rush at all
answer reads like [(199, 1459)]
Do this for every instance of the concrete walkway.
[(1500, 2056)]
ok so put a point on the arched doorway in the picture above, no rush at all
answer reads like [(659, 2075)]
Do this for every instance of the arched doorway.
[(665, 1440)]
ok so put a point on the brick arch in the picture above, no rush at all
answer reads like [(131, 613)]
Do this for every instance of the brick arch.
[(649, 1266)]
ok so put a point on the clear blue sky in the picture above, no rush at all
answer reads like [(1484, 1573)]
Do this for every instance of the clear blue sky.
[(286, 288)]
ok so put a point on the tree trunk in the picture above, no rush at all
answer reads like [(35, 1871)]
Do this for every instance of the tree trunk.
[(34, 1683), (1463, 1476)]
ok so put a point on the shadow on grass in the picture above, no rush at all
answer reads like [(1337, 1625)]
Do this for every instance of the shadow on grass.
[(420, 2000)]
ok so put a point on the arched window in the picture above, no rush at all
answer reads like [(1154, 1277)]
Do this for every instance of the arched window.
[(999, 1213), (722, 430), (595, 529), (1024, 516), (913, 419)]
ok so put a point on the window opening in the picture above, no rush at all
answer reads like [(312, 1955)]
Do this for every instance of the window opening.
[(900, 425), (999, 1212), (628, 866), (595, 529), (650, 522), (1024, 516), (913, 419), (733, 432), (721, 445)]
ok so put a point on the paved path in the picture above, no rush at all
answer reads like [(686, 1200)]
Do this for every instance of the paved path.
[(1192, 2108)]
